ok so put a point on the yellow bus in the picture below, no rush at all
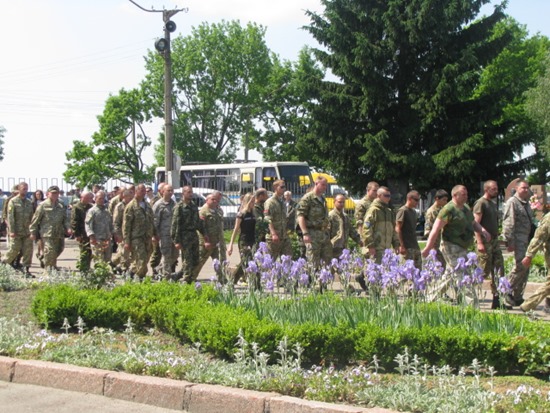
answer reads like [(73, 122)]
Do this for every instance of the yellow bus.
[(334, 189)]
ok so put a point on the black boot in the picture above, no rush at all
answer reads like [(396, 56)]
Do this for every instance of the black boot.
[(498, 305), (361, 280)]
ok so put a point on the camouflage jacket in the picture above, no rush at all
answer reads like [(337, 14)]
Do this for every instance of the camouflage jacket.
[(20, 216), (361, 208), (185, 223), (518, 219), (341, 229), (99, 223), (78, 219), (50, 220), (138, 221), (541, 240), (275, 213), (118, 218), (379, 227), (213, 226), (162, 212), (315, 212)]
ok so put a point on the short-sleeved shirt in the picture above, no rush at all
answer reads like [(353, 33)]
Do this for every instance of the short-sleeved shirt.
[(408, 217), (489, 215), (248, 228), (458, 229)]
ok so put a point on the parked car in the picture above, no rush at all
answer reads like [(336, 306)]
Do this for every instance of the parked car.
[(227, 205)]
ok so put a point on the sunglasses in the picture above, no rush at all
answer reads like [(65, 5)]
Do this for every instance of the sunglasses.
[(386, 195)]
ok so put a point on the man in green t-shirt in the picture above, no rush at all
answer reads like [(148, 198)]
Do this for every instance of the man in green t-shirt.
[(489, 252), (458, 225)]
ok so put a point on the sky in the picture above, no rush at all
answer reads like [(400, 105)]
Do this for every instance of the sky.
[(60, 60)]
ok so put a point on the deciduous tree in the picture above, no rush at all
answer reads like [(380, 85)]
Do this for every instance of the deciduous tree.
[(219, 74), (115, 151)]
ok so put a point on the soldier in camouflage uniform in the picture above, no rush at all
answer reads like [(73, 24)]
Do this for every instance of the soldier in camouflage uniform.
[(163, 213), (19, 218), (540, 240), (211, 242), (156, 255), (78, 225), (121, 260), (457, 222), (489, 252), (340, 227), (99, 229), (186, 226), (362, 206), (278, 242), (379, 226), (14, 193), (441, 199), (312, 217), (517, 229), (138, 231), (50, 220)]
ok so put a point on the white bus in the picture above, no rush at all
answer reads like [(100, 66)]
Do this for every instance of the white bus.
[(237, 179)]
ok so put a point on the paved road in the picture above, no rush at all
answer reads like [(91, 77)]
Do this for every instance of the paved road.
[(26, 398)]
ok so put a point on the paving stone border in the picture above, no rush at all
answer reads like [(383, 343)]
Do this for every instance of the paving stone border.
[(161, 392)]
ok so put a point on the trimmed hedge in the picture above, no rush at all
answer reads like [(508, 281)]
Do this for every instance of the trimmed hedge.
[(193, 316)]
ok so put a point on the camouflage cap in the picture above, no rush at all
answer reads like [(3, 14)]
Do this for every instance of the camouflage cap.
[(53, 188)]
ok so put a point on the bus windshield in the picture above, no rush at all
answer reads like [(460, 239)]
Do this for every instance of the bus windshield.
[(296, 177)]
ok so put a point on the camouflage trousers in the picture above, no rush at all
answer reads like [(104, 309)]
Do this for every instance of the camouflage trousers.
[(543, 292), (451, 252), (519, 275), (190, 257), (492, 262), (169, 255), (247, 253), (156, 256), (53, 247), (102, 251), (20, 245), (219, 253), (85, 256), (141, 249), (276, 249), (122, 257), (414, 255), (320, 249)]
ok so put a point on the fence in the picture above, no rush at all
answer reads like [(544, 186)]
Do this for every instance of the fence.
[(7, 183)]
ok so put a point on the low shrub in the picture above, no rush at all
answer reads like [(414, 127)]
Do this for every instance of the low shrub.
[(197, 315)]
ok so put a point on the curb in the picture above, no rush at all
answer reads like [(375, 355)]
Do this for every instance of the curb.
[(161, 392)]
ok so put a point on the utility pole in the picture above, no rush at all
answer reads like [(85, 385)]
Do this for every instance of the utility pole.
[(163, 47)]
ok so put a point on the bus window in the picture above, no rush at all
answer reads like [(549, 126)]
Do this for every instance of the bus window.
[(233, 183), (269, 176), (297, 178), (247, 183)]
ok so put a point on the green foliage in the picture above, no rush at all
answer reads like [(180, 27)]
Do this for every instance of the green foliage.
[(115, 151), (422, 86), (197, 315), (538, 102), (219, 73), (10, 279)]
